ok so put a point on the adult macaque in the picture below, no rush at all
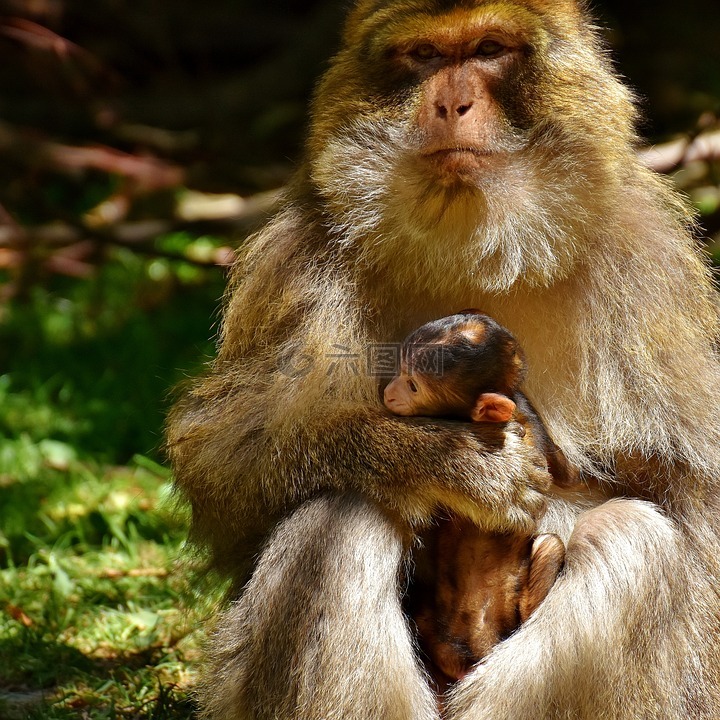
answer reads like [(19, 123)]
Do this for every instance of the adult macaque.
[(464, 154), (481, 585)]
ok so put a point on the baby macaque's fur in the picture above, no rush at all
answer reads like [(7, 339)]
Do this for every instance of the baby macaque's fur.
[(483, 585)]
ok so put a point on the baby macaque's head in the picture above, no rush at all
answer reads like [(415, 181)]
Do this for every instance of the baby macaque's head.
[(464, 365)]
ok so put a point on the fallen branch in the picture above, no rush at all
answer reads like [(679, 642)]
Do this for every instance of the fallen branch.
[(671, 156), (115, 573), (70, 248)]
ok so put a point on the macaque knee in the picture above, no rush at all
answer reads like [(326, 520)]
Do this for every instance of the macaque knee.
[(618, 516), (623, 533), (547, 558)]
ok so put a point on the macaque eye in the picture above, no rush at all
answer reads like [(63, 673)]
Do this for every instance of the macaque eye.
[(426, 51), (489, 48), (412, 386)]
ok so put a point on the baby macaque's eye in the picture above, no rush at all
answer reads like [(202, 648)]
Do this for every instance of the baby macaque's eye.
[(412, 386)]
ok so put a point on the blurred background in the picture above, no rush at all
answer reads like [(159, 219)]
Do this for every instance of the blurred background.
[(139, 144)]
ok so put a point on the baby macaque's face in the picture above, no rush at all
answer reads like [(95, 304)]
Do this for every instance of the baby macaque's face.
[(410, 395), (417, 394)]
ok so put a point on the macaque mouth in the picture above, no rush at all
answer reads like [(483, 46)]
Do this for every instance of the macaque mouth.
[(457, 151), (458, 159)]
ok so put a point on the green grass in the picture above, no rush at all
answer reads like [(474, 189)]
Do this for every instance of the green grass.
[(96, 610), (92, 363), (100, 609)]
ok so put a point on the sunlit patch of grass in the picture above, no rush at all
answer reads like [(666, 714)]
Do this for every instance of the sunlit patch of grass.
[(99, 615), (100, 609), (91, 364)]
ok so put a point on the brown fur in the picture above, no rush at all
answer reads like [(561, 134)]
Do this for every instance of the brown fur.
[(486, 584), (586, 257)]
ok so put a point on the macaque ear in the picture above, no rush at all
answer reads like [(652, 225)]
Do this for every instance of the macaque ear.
[(493, 407)]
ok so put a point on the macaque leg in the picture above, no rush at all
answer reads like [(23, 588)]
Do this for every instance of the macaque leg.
[(612, 636), (546, 560), (319, 632)]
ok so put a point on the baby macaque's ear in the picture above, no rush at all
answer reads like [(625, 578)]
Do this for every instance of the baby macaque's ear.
[(493, 407)]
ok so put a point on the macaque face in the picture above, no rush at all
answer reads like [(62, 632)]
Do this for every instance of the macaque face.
[(455, 83), (470, 355), (410, 394), (464, 65), (442, 143)]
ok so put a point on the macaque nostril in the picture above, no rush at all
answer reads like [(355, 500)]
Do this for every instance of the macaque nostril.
[(443, 111)]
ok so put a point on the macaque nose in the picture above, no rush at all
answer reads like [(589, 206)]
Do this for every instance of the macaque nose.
[(453, 109), (453, 94)]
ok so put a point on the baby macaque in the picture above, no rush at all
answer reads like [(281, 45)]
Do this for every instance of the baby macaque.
[(467, 366), (484, 585)]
